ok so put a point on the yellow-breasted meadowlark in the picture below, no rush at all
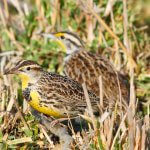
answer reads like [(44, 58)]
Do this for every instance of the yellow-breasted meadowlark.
[(50, 93), (84, 66)]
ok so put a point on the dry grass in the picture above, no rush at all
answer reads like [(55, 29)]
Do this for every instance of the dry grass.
[(110, 28)]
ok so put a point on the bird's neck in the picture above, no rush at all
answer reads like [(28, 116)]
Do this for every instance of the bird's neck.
[(70, 52)]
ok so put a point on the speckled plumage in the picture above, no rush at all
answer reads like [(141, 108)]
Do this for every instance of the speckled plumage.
[(84, 66), (64, 94), (52, 94)]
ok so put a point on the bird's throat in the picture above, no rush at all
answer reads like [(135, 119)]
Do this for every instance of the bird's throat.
[(25, 80)]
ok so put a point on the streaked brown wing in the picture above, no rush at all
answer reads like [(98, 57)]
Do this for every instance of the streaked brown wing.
[(86, 67), (63, 92)]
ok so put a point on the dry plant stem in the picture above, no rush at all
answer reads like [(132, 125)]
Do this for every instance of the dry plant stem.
[(90, 111), (40, 13), (70, 126), (146, 131), (110, 131), (21, 116), (114, 140), (135, 39), (45, 133), (109, 7), (102, 37), (6, 8), (26, 10), (89, 24), (126, 42), (117, 58), (143, 138), (25, 106), (131, 111), (2, 17), (10, 104), (19, 141), (91, 10), (137, 138), (3, 94), (132, 91), (119, 89), (41, 16), (101, 90), (55, 15), (142, 28), (2, 108), (125, 25), (147, 118), (131, 128)]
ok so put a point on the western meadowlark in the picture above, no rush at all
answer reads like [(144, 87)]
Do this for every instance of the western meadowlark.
[(84, 66), (52, 94)]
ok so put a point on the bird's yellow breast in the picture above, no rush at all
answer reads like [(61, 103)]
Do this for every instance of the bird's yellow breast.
[(35, 103), (35, 100)]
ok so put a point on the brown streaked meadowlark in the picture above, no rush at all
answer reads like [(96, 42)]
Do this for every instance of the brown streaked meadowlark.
[(84, 66), (52, 94)]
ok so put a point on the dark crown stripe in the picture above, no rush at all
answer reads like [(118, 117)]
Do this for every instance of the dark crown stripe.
[(74, 35), (23, 63), (74, 43)]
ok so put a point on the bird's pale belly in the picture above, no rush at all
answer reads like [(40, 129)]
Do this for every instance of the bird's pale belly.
[(35, 103)]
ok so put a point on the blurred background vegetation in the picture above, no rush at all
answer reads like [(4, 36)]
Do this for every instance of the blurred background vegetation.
[(21, 21)]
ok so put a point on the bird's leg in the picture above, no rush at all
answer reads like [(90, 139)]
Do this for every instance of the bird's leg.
[(56, 121)]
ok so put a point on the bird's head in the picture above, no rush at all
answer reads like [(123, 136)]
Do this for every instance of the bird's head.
[(28, 71), (70, 41)]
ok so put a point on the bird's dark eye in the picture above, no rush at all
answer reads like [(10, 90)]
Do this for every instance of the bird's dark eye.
[(62, 37), (28, 68)]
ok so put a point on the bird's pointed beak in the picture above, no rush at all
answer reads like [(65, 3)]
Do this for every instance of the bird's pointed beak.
[(55, 37), (10, 71)]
